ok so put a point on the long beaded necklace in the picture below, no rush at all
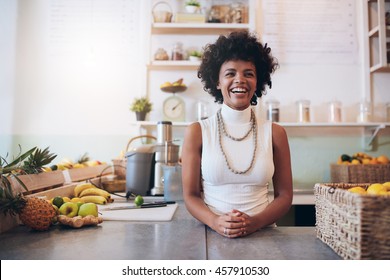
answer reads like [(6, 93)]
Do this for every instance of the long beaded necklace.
[(222, 130)]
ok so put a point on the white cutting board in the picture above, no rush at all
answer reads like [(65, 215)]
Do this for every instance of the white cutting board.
[(158, 214)]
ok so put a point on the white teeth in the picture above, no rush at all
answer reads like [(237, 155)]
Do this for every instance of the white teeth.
[(239, 90)]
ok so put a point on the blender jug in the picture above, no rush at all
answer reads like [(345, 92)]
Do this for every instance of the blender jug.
[(140, 169)]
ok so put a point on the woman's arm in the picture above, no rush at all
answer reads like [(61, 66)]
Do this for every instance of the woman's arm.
[(191, 178)]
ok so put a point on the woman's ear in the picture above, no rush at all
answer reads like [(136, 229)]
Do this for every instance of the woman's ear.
[(218, 86)]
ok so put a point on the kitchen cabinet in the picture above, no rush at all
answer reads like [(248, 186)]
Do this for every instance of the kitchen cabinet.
[(378, 34)]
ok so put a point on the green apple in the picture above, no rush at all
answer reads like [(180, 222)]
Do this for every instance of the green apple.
[(79, 203), (69, 209), (88, 208)]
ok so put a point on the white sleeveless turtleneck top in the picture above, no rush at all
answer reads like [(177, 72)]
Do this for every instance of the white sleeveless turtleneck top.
[(223, 190)]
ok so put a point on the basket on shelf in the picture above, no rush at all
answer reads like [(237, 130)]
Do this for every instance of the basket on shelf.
[(162, 15), (355, 226), (360, 173)]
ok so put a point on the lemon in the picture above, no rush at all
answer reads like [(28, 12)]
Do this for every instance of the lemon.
[(375, 188), (66, 199), (139, 200), (58, 201), (384, 193), (355, 161), (387, 186), (358, 190)]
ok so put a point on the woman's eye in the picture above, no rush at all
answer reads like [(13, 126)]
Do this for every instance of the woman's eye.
[(250, 74)]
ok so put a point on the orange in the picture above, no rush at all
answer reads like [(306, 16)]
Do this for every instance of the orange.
[(383, 159), (374, 161)]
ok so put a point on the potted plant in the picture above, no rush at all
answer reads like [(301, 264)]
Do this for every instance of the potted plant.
[(192, 6), (194, 55), (141, 106)]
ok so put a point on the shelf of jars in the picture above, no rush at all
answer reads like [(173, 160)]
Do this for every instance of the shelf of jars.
[(287, 124), (369, 133)]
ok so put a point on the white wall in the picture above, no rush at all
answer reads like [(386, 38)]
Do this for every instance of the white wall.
[(8, 11)]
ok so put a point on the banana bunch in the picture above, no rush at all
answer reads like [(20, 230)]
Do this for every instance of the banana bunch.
[(177, 83), (88, 192)]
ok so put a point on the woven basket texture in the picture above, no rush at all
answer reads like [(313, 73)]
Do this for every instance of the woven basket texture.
[(360, 173), (354, 226), (120, 168)]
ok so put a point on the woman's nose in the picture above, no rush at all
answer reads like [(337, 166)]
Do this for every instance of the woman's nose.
[(239, 78)]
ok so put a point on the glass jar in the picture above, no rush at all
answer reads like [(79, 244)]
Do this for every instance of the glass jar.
[(177, 51), (303, 110), (364, 112), (334, 113), (237, 13), (202, 113), (272, 110), (161, 54)]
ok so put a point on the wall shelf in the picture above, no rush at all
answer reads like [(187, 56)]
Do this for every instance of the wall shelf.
[(173, 65), (285, 124), (369, 137), (196, 28)]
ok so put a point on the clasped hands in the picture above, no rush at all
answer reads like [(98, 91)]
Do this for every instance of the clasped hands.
[(234, 224)]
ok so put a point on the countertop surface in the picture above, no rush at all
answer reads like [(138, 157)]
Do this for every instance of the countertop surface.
[(183, 238)]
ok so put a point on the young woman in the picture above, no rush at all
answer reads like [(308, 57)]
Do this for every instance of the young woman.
[(229, 159)]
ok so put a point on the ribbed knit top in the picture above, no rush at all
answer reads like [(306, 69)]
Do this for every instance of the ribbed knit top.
[(224, 190)]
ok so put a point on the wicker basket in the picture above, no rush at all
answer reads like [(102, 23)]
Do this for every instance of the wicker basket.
[(360, 173), (161, 14), (354, 226)]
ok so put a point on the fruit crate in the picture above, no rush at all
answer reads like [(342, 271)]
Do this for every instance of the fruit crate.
[(85, 173), (38, 182), (354, 226), (359, 173)]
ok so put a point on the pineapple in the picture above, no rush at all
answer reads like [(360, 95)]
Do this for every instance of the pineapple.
[(37, 213), (37, 160), (83, 159), (34, 212)]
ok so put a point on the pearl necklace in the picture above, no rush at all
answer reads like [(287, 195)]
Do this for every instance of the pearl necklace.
[(253, 128)]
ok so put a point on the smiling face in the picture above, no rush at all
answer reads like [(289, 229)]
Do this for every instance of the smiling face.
[(237, 82)]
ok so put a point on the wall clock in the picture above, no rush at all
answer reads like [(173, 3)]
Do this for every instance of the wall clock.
[(174, 109)]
